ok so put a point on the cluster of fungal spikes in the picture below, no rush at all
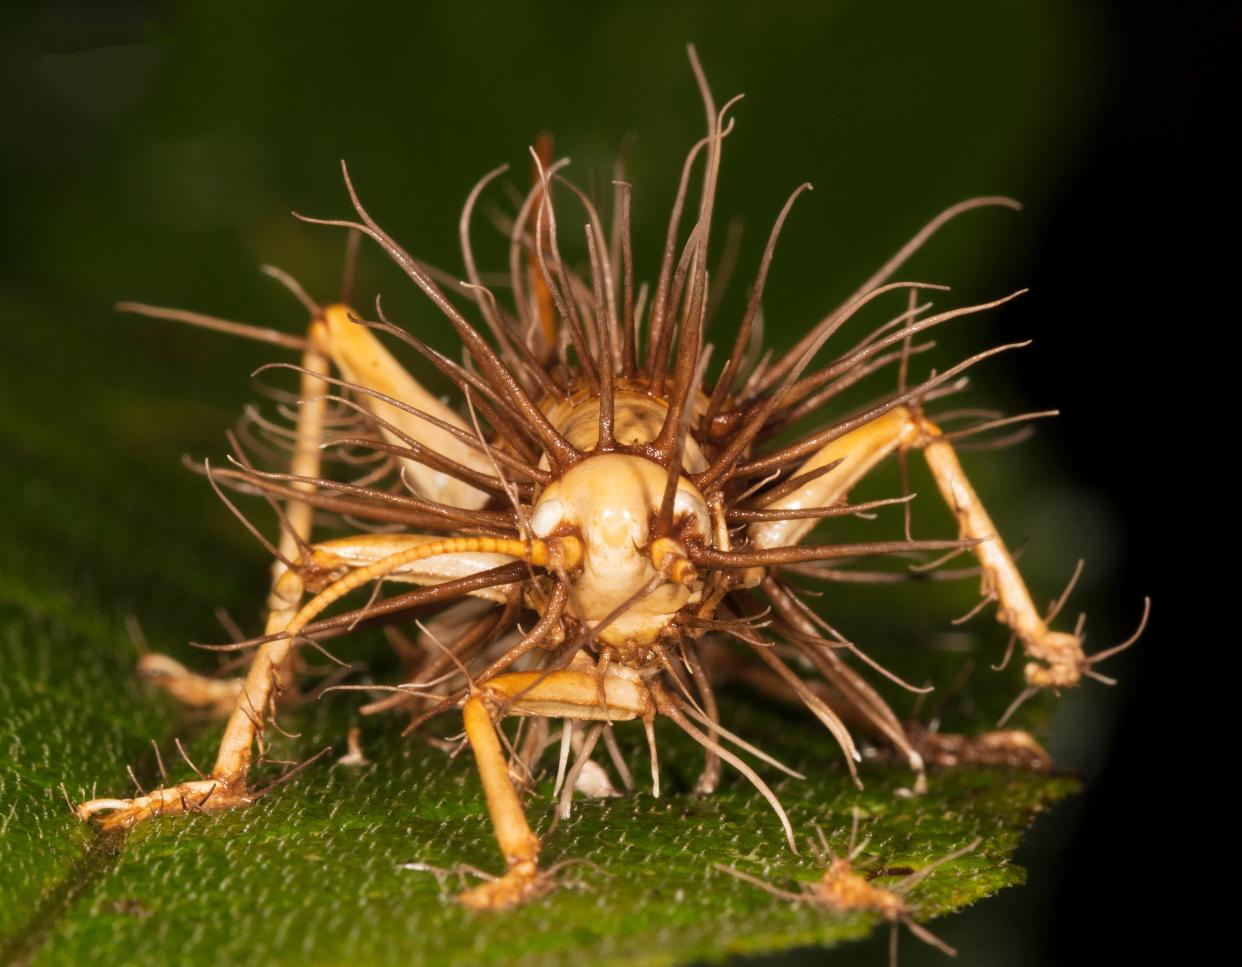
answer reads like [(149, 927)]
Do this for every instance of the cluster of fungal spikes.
[(652, 518)]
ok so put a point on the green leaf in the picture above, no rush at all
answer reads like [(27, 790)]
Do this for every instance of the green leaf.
[(319, 867)]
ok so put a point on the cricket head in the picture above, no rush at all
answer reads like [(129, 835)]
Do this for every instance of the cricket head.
[(611, 502)]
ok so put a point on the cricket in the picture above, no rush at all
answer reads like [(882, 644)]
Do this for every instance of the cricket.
[(615, 515)]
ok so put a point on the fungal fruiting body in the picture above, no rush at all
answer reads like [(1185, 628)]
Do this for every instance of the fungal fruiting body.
[(842, 888), (596, 513)]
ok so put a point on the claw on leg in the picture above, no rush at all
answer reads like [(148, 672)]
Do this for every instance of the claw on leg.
[(199, 795), (1059, 660), (522, 882)]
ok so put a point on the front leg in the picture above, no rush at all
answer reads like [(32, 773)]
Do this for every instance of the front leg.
[(342, 566), (226, 787), (565, 694)]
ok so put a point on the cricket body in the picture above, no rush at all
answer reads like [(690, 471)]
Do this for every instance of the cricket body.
[(595, 481)]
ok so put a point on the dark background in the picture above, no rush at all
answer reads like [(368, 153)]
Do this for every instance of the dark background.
[(153, 151)]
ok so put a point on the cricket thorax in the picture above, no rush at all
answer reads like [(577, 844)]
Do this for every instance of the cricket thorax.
[(637, 420), (610, 501)]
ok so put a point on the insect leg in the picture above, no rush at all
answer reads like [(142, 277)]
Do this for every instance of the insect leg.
[(858, 453), (364, 361), (336, 567), (1057, 657), (370, 557), (565, 694), (217, 696)]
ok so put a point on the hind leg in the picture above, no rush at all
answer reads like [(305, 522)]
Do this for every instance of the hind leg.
[(360, 358), (218, 696), (1056, 657)]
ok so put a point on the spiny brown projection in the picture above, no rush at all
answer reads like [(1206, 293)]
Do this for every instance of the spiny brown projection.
[(600, 532)]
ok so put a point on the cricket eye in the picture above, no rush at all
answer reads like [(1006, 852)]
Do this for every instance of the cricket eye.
[(547, 517), (688, 504)]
